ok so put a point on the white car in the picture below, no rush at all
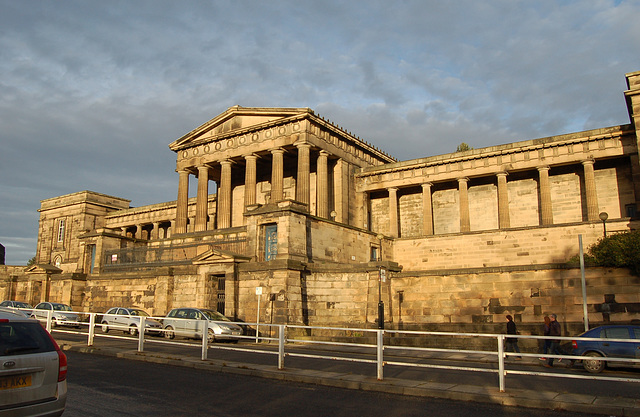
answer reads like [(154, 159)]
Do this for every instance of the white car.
[(33, 375), (188, 322), (128, 320), (62, 314)]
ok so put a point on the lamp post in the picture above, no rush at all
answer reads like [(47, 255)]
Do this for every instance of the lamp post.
[(381, 277), (604, 216)]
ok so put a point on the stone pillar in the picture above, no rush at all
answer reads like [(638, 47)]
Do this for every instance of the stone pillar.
[(138, 234), (155, 232), (633, 106), (427, 210), (250, 180), (590, 191), (393, 212), (202, 199), (182, 203), (124, 231), (546, 213), (303, 185), (224, 195), (504, 221), (465, 225), (322, 186), (277, 173), (341, 191)]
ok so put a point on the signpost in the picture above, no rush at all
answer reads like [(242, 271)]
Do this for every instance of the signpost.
[(258, 293)]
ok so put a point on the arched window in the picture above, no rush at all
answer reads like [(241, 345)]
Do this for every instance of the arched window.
[(57, 261)]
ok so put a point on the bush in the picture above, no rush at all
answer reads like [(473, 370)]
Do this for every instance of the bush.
[(620, 250)]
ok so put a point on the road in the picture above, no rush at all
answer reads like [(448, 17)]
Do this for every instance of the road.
[(104, 386)]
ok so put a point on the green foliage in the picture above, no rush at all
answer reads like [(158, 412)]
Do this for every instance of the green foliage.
[(463, 147), (31, 261), (621, 250)]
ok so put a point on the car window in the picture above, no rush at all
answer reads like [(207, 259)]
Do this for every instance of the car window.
[(181, 314), (214, 315), (61, 307), (5, 304), (139, 313), (20, 304), (23, 338), (636, 332), (617, 333)]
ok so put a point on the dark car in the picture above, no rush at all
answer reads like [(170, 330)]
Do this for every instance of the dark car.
[(595, 349)]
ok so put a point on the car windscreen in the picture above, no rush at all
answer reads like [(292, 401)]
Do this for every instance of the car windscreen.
[(22, 305), (138, 313), (23, 338), (214, 315)]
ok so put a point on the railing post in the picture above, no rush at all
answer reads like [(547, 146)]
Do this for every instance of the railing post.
[(379, 350), (205, 340), (281, 346), (49, 316), (501, 361), (141, 334), (92, 330)]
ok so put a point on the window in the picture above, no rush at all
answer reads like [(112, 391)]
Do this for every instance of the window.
[(61, 230), (57, 261), (270, 242), (374, 253), (631, 210)]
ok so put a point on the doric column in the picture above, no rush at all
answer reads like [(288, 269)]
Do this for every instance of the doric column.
[(202, 199), (393, 212), (183, 201), (465, 224), (341, 191), (277, 173), (427, 209), (304, 166), (155, 231), (322, 186), (546, 213), (250, 180), (590, 191), (138, 234), (504, 221), (224, 195)]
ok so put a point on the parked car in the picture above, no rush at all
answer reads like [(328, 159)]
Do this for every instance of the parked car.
[(24, 308), (33, 376), (594, 349), (187, 322), (128, 320), (62, 314)]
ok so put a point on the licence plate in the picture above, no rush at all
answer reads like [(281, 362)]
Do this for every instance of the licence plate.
[(11, 382)]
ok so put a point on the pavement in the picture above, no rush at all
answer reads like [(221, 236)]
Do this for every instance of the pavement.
[(573, 402)]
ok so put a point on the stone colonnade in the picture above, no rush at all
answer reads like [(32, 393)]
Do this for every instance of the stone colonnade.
[(544, 195), (276, 157)]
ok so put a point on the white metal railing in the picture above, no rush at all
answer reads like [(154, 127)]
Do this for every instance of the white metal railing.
[(376, 351)]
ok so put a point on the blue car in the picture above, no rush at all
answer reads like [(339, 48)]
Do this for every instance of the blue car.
[(594, 349)]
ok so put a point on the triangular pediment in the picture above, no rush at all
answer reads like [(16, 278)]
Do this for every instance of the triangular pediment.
[(237, 118), (219, 256)]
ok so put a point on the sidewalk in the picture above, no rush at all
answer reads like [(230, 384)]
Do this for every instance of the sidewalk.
[(579, 403)]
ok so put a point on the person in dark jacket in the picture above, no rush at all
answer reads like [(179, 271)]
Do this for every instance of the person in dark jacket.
[(554, 348), (511, 343)]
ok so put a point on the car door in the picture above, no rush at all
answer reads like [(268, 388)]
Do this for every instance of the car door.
[(618, 349), (636, 335), (180, 325), (191, 323)]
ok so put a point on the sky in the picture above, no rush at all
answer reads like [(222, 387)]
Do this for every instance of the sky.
[(92, 92)]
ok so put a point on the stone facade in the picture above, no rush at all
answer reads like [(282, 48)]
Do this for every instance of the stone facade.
[(310, 213)]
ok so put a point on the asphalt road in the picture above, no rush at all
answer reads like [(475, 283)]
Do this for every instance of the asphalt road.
[(106, 386)]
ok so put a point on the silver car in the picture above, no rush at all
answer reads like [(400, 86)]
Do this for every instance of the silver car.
[(33, 375), (24, 308), (62, 314), (188, 322), (128, 320)]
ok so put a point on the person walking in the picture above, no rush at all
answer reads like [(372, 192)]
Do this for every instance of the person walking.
[(546, 327), (511, 343), (554, 347)]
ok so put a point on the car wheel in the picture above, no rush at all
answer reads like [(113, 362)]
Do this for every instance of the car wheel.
[(105, 327), (593, 365), (133, 330), (211, 336), (168, 332)]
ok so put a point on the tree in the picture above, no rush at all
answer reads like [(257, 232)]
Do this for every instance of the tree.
[(463, 147), (620, 250), (31, 261)]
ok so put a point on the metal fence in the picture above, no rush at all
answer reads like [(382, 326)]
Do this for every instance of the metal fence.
[(376, 350), (170, 254)]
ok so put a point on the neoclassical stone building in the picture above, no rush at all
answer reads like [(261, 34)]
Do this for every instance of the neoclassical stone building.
[(293, 206)]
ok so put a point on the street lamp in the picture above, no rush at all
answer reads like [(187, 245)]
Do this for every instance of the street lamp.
[(381, 276), (604, 216)]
